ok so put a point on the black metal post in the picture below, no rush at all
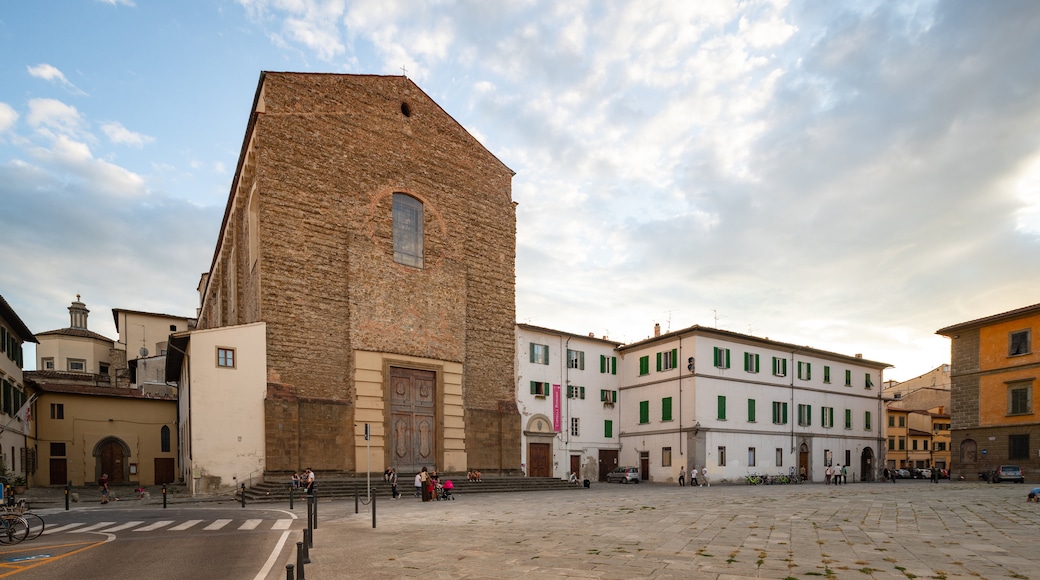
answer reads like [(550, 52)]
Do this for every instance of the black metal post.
[(164, 496), (291, 490), (67, 489), (373, 511), (308, 539), (356, 508), (310, 519), (289, 572), (243, 495), (315, 515), (299, 561)]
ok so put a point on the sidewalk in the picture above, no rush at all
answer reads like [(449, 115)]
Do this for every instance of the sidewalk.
[(917, 529)]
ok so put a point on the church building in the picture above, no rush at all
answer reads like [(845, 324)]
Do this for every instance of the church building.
[(367, 260)]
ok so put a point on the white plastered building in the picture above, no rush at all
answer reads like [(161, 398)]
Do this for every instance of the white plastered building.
[(742, 405), (567, 392)]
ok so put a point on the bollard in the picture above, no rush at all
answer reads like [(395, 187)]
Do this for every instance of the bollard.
[(308, 537), (315, 496), (373, 511), (67, 486), (356, 510), (164, 496), (243, 495), (310, 521), (291, 497), (299, 561), (289, 572)]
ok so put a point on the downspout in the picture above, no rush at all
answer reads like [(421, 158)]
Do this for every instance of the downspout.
[(677, 363)]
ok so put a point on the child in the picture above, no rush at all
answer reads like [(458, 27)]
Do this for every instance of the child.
[(1034, 496)]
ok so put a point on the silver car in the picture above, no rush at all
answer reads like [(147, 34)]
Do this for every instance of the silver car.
[(624, 475)]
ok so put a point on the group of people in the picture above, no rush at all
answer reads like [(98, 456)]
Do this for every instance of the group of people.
[(697, 477), (429, 487), (306, 481), (836, 475)]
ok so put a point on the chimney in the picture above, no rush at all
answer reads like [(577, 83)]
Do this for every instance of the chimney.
[(592, 335), (657, 329), (859, 355)]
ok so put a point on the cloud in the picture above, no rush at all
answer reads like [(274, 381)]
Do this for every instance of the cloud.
[(129, 3), (120, 135), (50, 115), (8, 117), (50, 73)]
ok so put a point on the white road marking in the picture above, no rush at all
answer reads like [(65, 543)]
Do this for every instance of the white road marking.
[(216, 525)]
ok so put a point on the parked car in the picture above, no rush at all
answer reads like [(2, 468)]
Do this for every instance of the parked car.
[(624, 475), (922, 473), (1007, 473), (902, 474)]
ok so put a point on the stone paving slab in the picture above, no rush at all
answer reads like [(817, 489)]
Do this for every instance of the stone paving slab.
[(864, 531)]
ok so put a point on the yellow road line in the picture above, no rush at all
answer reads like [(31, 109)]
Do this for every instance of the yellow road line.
[(34, 564)]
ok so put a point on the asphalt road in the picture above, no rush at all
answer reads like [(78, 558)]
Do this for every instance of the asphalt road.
[(155, 543)]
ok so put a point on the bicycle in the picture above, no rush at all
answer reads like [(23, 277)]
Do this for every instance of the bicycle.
[(13, 528), (35, 523)]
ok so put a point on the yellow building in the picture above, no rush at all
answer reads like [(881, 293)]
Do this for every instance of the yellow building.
[(15, 448)]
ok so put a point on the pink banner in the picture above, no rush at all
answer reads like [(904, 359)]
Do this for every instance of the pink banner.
[(557, 408)]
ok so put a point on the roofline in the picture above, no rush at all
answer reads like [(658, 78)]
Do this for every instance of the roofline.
[(570, 334), (117, 311), (987, 320), (16, 323), (697, 329)]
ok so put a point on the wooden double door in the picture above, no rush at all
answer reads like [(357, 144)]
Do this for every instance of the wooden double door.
[(413, 421)]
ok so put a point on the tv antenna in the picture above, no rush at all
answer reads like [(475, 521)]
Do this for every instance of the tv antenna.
[(717, 317)]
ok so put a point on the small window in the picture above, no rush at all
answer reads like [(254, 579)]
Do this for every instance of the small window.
[(913, 444), (1020, 398), (608, 429), (575, 359), (173, 328), (48, 364), (804, 371), (848, 378), (607, 396), (666, 409), (77, 365), (779, 456), (721, 358), (722, 408), (666, 457), (722, 457), (607, 364), (644, 365), (751, 457), (408, 230), (644, 412), (102, 368), (891, 443), (827, 417), (225, 357), (57, 410), (750, 362), (1018, 343), (902, 420), (826, 374), (164, 439), (57, 450), (575, 392), (779, 413), (891, 420), (575, 427), (868, 382), (539, 389), (848, 418), (751, 410), (779, 367), (539, 353), (902, 443), (866, 421), (667, 360)]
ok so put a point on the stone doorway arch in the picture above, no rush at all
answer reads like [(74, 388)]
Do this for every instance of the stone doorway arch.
[(112, 456)]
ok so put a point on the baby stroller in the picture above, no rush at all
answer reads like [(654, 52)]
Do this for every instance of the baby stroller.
[(444, 491)]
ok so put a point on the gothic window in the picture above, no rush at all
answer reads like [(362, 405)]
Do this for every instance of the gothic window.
[(408, 230)]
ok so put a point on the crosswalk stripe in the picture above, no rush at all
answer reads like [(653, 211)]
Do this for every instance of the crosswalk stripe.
[(185, 525), (282, 524), (123, 526), (154, 526), (250, 524), (216, 525), (95, 526), (64, 528)]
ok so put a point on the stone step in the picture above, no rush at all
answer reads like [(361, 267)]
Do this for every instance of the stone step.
[(347, 487)]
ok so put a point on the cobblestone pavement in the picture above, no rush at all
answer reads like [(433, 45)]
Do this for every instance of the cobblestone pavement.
[(911, 529)]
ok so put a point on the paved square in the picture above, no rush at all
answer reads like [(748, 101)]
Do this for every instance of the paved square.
[(910, 529)]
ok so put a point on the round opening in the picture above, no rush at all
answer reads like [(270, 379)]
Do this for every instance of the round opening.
[(406, 110)]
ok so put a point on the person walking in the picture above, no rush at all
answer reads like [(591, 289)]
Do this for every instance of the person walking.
[(827, 474), (308, 480), (704, 477), (427, 484), (103, 486), (418, 484), (391, 477), (844, 475), (935, 474), (682, 476)]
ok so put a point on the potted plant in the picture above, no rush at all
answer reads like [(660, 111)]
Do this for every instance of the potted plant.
[(18, 483)]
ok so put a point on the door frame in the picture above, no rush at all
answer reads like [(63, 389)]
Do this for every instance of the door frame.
[(99, 447), (438, 412)]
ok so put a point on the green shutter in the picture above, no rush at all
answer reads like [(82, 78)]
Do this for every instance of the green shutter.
[(675, 358), (613, 365), (830, 416), (608, 428), (751, 410), (722, 407), (531, 348), (644, 411), (602, 363), (659, 361), (808, 415), (848, 418), (534, 389), (582, 393), (826, 374), (644, 365), (785, 413), (666, 409), (866, 421)]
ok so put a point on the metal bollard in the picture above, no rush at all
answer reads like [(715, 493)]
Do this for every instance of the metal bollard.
[(299, 561), (373, 511), (315, 496), (308, 537), (356, 510), (289, 572), (164, 496), (291, 497), (67, 486), (243, 495)]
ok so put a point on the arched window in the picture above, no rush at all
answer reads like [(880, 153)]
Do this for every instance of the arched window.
[(164, 439), (969, 451), (408, 230)]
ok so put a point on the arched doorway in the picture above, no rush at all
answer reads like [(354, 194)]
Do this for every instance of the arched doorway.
[(866, 464), (112, 456), (540, 436)]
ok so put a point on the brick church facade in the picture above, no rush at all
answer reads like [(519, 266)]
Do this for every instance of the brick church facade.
[(375, 238)]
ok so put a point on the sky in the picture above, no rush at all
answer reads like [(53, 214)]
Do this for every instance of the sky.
[(850, 176)]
